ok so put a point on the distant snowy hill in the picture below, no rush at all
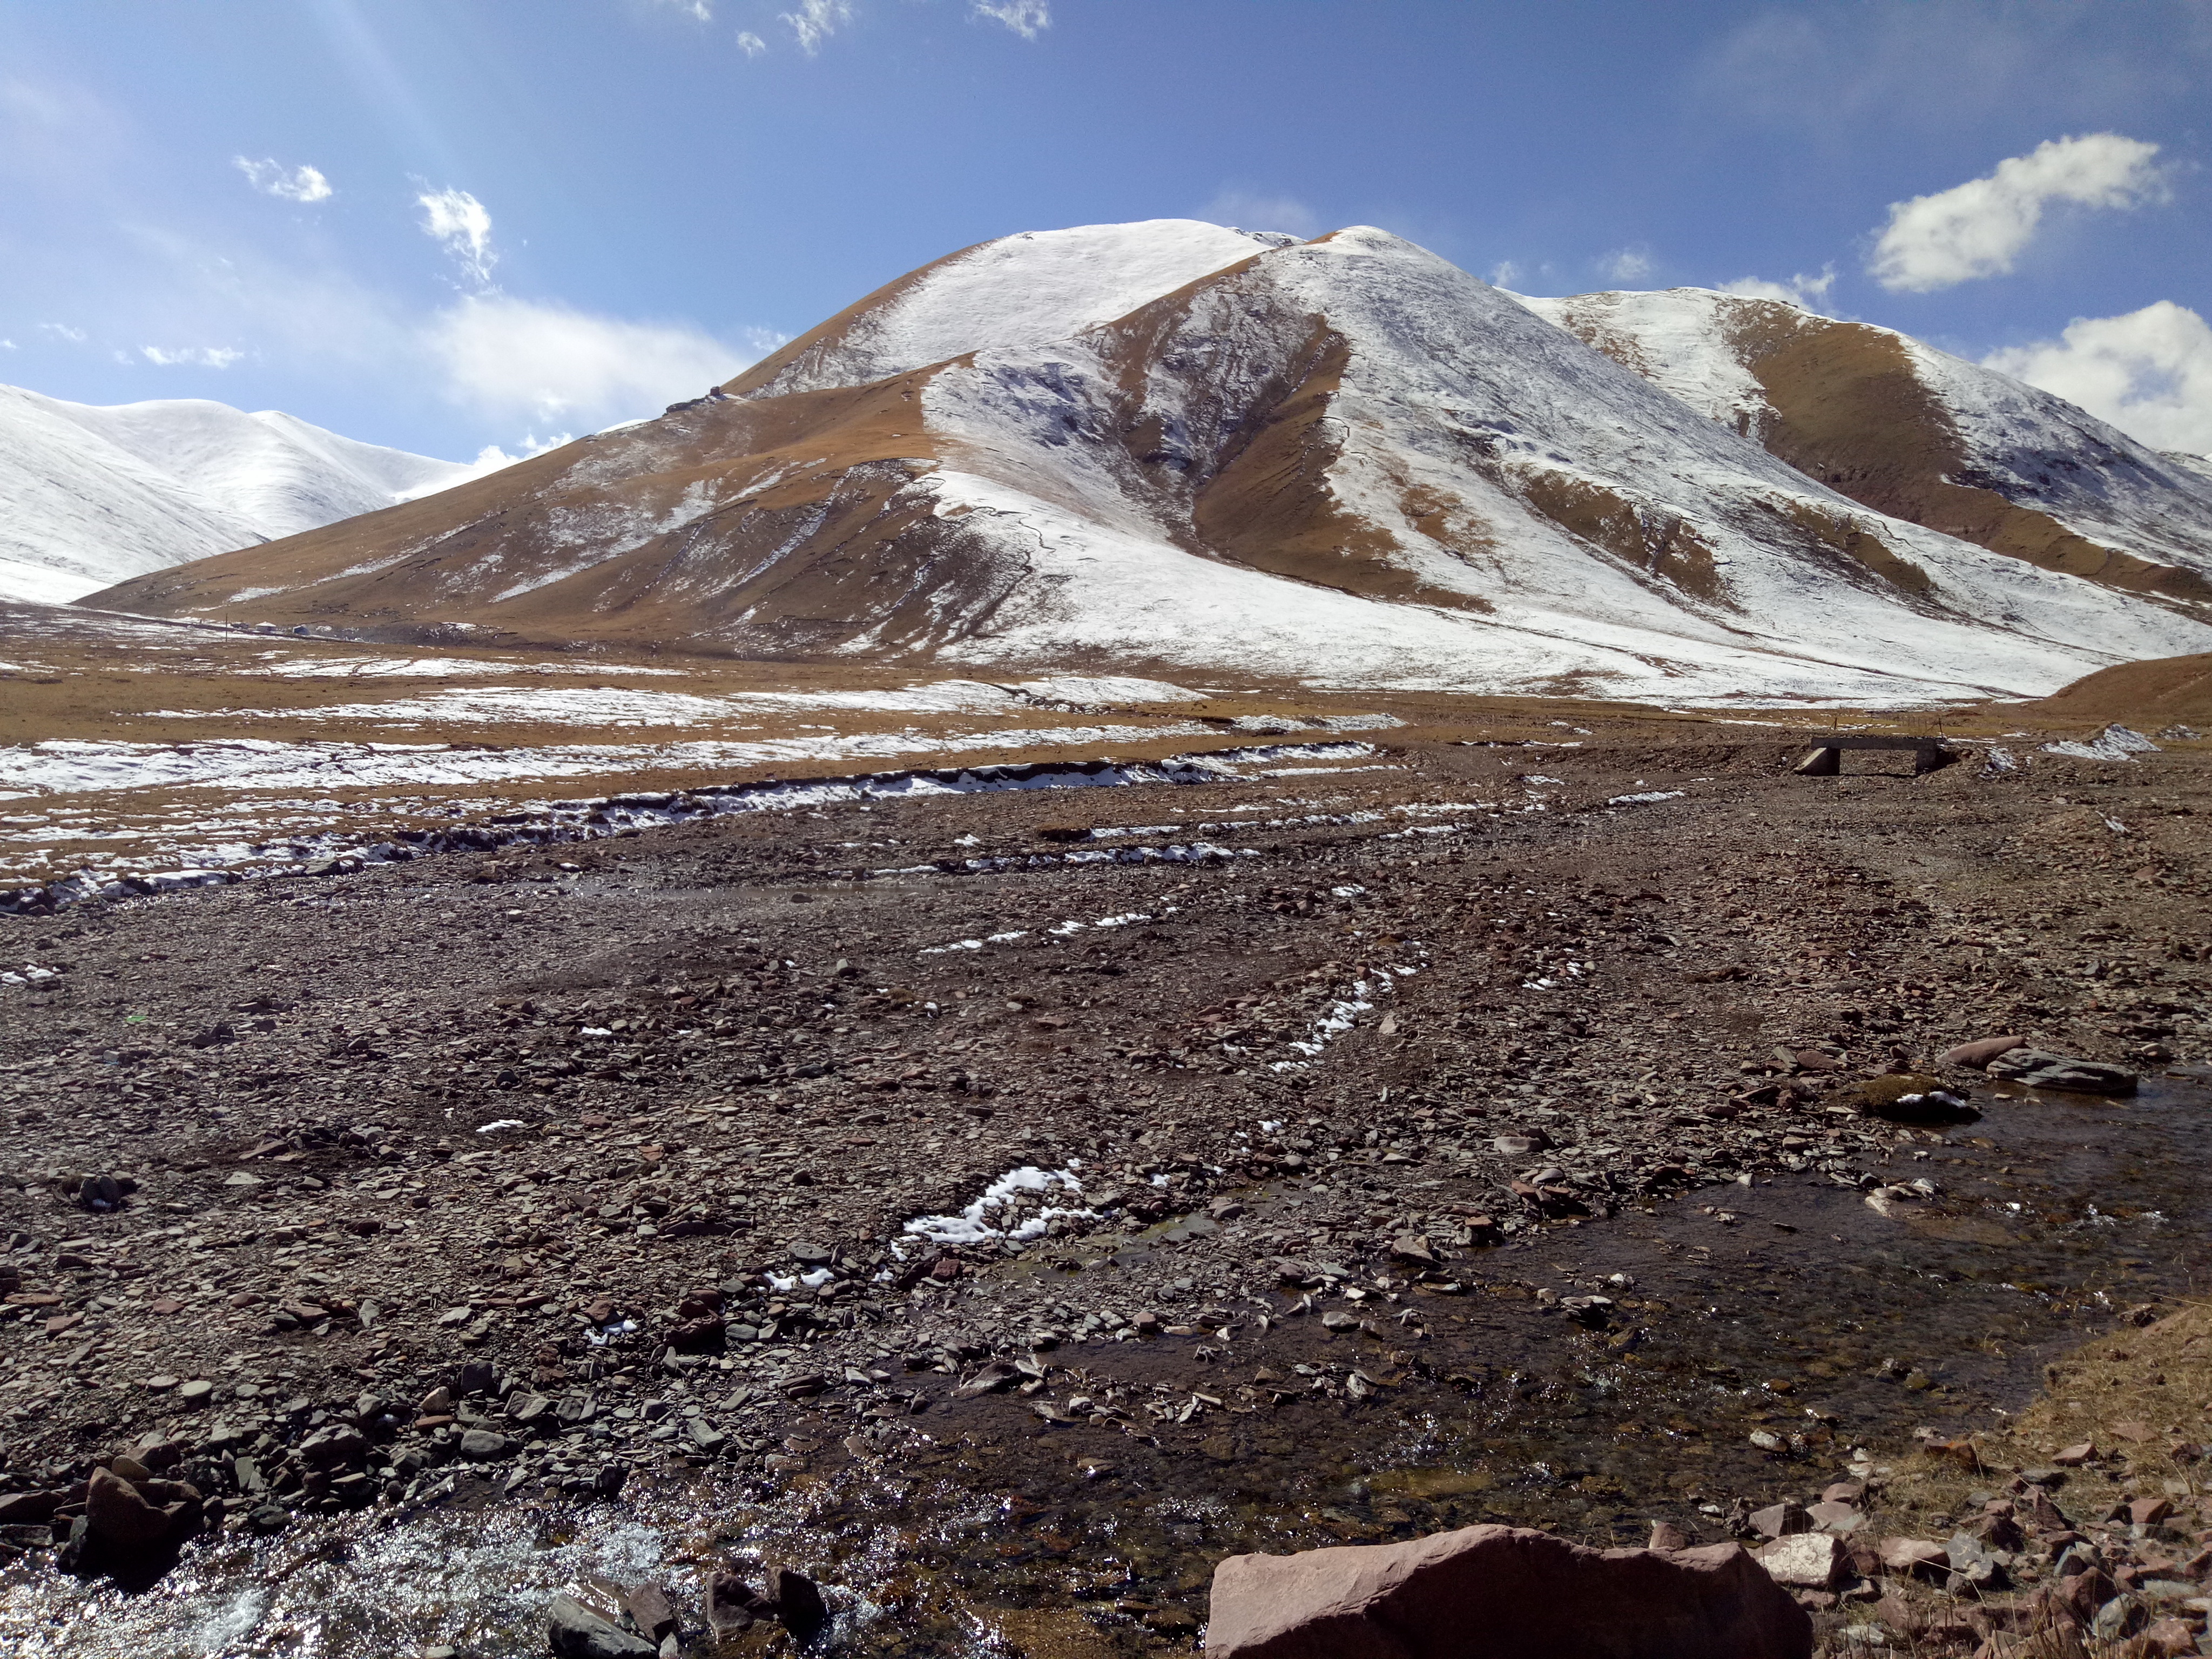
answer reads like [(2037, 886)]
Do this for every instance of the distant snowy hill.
[(1175, 447), (91, 497)]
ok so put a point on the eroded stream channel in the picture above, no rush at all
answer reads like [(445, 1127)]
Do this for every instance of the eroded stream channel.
[(1788, 1309)]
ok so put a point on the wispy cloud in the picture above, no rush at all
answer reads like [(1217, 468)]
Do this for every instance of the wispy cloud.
[(460, 224), (1801, 290), (1980, 228), (698, 11), (546, 362), (1504, 274), (1024, 17), (750, 44), (1626, 264), (1253, 209), (272, 178), (193, 356), (7, 345), (2149, 373), (815, 21), (74, 336)]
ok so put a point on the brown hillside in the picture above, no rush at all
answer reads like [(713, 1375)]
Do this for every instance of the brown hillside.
[(1845, 406), (2169, 689)]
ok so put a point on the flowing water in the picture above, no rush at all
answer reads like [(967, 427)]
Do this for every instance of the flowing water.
[(1736, 1310)]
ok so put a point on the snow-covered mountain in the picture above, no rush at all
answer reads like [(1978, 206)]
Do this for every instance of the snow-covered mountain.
[(1918, 433), (1342, 461), (89, 496)]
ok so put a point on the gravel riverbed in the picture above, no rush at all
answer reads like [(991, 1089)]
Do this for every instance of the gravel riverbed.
[(1138, 1135)]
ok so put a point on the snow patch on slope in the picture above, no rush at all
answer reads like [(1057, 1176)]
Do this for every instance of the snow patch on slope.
[(1677, 339)]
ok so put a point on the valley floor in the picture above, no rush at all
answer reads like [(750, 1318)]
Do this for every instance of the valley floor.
[(1019, 1201)]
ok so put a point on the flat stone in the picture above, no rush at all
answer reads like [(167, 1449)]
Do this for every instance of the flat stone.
[(1837, 1518), (1780, 1520), (482, 1446), (1805, 1560), (1907, 1555), (29, 1508), (2038, 1068)]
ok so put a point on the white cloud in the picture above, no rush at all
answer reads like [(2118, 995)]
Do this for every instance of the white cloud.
[(7, 345), (1626, 265), (815, 21), (750, 44), (1024, 17), (519, 358), (696, 10), (2149, 373), (195, 356), (1255, 209), (1979, 228), (300, 184), (493, 457), (460, 224), (74, 336), (1801, 290), (1504, 274)]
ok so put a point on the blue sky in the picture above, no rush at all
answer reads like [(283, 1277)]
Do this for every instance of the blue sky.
[(518, 221)]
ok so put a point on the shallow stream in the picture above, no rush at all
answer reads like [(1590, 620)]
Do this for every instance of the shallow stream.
[(979, 1527)]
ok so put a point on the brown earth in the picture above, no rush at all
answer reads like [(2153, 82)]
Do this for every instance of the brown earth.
[(2150, 694), (729, 1055)]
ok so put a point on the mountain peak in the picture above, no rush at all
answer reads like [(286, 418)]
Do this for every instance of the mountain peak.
[(1019, 291)]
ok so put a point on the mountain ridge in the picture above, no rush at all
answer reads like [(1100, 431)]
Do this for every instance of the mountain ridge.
[(1342, 460)]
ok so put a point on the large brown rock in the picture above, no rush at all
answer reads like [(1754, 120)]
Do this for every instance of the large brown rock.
[(120, 1515), (1503, 1592)]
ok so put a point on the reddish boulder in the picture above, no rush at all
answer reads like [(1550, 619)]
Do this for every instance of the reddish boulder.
[(1978, 1054), (1494, 1592), (119, 1515)]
